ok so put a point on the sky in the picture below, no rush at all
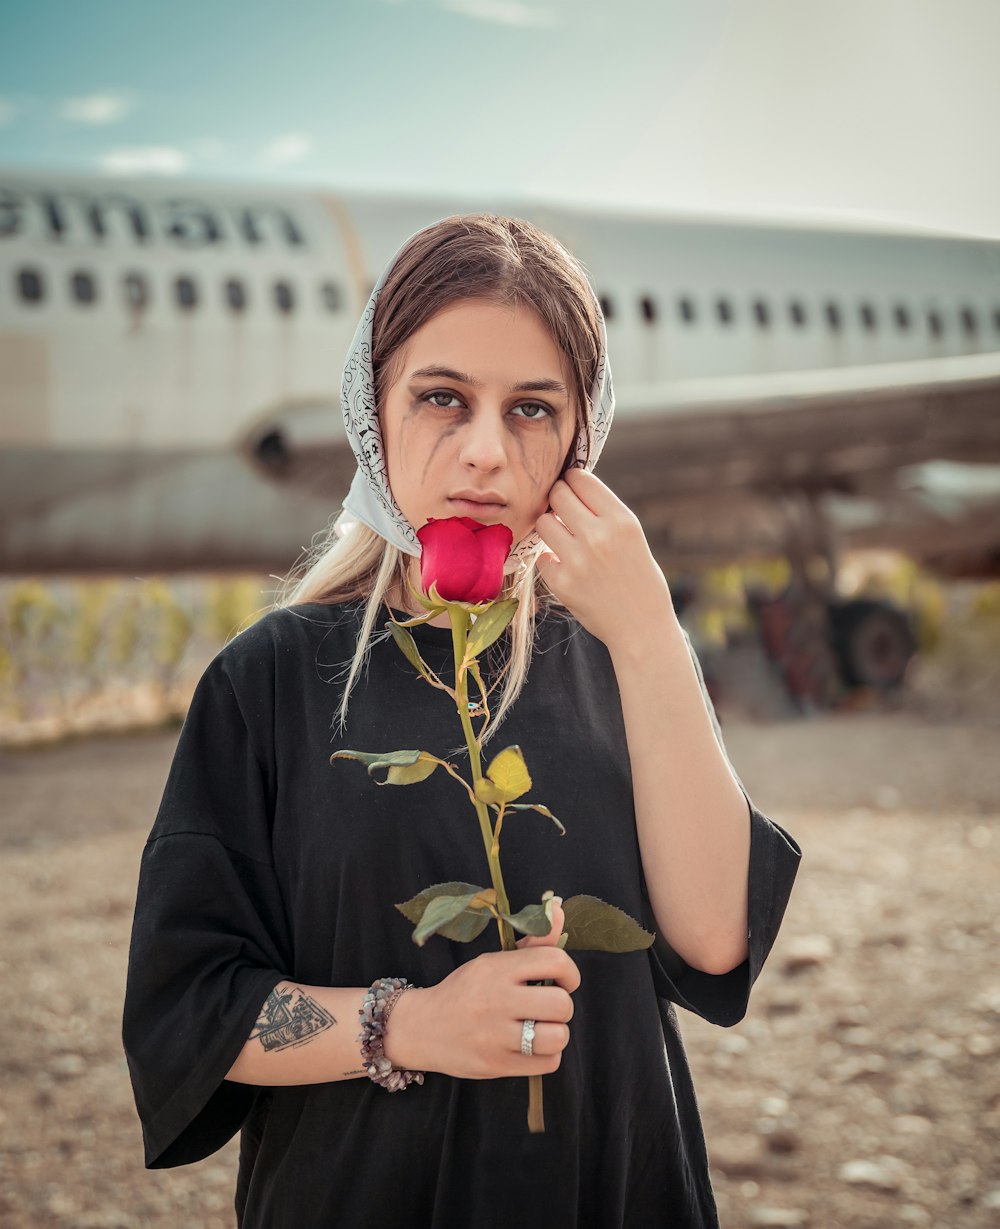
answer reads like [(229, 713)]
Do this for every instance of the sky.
[(857, 110)]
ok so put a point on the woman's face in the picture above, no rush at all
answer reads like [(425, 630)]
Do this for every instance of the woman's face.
[(496, 418)]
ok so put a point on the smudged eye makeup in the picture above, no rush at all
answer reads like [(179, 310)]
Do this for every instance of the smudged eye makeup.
[(535, 405)]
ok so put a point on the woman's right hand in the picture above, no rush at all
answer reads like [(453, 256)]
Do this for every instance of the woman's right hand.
[(469, 1025)]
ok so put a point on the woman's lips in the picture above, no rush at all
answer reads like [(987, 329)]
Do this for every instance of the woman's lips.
[(469, 507)]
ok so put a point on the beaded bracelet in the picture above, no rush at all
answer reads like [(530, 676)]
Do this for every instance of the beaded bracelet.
[(374, 1017)]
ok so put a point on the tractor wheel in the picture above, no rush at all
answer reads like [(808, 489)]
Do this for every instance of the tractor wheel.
[(874, 643)]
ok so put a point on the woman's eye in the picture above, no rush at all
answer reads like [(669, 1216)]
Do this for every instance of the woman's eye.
[(529, 405), (448, 396)]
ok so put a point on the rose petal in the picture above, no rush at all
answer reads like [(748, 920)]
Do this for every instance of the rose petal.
[(464, 557), (494, 543), (450, 557)]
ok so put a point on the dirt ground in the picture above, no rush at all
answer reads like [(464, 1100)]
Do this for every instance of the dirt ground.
[(861, 1091)]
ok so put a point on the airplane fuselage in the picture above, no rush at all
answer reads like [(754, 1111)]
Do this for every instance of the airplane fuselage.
[(171, 355)]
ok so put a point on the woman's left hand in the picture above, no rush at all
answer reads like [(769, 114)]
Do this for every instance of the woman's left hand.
[(599, 564)]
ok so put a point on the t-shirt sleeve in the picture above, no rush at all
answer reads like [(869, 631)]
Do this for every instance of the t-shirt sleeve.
[(722, 998), (209, 940)]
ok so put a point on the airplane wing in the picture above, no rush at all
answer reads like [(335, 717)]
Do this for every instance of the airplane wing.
[(817, 429), (813, 429)]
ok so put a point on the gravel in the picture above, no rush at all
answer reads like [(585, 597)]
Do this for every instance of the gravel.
[(861, 1090)]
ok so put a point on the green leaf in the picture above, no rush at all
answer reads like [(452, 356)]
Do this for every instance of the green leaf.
[(417, 619), (437, 915), (444, 603), (532, 920), (459, 911), (432, 607), (506, 778), (413, 909), (468, 925), (405, 767), (378, 757), (595, 926), (536, 806), (489, 626), (447, 603), (406, 642)]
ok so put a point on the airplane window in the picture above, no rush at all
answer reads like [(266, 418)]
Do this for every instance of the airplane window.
[(935, 323), (648, 309), (186, 292), (236, 295), (330, 292), (31, 286), (761, 313), (686, 310), (969, 321), (724, 310), (605, 303), (902, 316), (283, 297), (832, 312), (136, 290), (83, 288), (867, 313), (797, 313)]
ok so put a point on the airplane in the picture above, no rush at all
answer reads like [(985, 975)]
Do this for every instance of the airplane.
[(171, 354)]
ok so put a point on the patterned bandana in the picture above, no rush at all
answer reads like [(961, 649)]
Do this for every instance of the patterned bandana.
[(370, 499)]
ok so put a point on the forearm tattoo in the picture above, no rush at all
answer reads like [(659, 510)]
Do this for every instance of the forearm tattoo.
[(289, 1018)]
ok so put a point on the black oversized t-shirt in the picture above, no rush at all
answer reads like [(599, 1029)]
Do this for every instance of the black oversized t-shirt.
[(267, 862)]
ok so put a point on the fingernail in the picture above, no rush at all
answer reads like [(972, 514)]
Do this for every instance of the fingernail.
[(557, 899)]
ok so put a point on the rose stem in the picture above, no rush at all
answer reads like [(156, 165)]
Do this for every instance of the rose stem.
[(460, 632)]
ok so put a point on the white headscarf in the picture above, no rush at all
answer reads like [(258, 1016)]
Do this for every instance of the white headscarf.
[(370, 499)]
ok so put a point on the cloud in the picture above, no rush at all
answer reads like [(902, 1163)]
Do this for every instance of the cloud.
[(103, 107), (143, 160), (502, 12), (8, 109), (208, 149), (292, 147)]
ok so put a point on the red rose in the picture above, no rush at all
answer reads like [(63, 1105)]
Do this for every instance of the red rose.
[(464, 557)]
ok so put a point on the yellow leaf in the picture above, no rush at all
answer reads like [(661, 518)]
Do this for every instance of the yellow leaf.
[(509, 773), (409, 774)]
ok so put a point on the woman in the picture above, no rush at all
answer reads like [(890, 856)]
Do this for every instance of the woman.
[(265, 909)]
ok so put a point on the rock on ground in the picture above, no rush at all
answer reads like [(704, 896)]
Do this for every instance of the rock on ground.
[(862, 1090)]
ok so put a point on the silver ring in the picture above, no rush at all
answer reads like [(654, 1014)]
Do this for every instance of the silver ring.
[(527, 1037)]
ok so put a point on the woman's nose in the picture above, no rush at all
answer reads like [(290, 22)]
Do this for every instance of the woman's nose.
[(483, 441)]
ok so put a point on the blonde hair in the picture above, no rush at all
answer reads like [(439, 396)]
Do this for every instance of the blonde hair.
[(484, 256)]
